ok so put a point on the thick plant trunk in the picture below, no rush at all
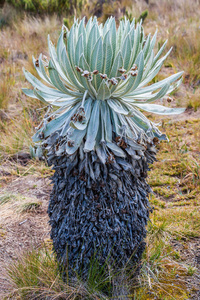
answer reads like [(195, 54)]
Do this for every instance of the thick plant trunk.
[(98, 209)]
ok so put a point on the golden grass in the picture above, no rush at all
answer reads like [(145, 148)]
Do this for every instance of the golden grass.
[(36, 276), (6, 88)]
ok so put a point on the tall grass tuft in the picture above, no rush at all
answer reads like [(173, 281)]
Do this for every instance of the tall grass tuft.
[(36, 275)]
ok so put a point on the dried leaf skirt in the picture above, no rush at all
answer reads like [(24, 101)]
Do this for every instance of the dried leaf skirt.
[(98, 209)]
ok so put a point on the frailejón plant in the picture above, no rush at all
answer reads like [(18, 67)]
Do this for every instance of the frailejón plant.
[(95, 84)]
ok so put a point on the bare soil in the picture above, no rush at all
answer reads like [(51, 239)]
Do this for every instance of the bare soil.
[(190, 255), (20, 232)]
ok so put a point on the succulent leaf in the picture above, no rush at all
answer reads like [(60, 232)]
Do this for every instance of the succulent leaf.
[(159, 109), (100, 78)]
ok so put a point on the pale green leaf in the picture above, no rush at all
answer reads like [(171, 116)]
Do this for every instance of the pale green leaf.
[(126, 50), (79, 49), (115, 149), (103, 91), (117, 64), (93, 127), (97, 61), (105, 116), (159, 109), (107, 53)]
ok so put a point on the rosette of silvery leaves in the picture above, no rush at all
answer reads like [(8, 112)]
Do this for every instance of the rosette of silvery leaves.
[(96, 83)]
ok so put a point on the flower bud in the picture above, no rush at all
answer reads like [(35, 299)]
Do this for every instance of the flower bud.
[(70, 143), (37, 63), (134, 73), (134, 67), (78, 69), (122, 70), (169, 99), (95, 72), (113, 81), (123, 77), (85, 73), (103, 76), (155, 140)]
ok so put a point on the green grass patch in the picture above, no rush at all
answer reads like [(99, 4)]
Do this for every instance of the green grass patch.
[(37, 275), (7, 197), (181, 222), (30, 206)]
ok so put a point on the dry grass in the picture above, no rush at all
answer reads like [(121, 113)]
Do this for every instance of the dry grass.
[(36, 276), (16, 204), (6, 87)]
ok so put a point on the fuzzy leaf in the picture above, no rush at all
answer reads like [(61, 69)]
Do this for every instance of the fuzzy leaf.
[(70, 72), (40, 69), (105, 115), (92, 39), (81, 126), (103, 91), (79, 49), (159, 109), (77, 137), (116, 150), (97, 61), (57, 82), (117, 64), (126, 50), (93, 127), (107, 53)]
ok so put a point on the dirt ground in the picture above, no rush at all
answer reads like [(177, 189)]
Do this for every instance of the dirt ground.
[(20, 232), (191, 256)]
